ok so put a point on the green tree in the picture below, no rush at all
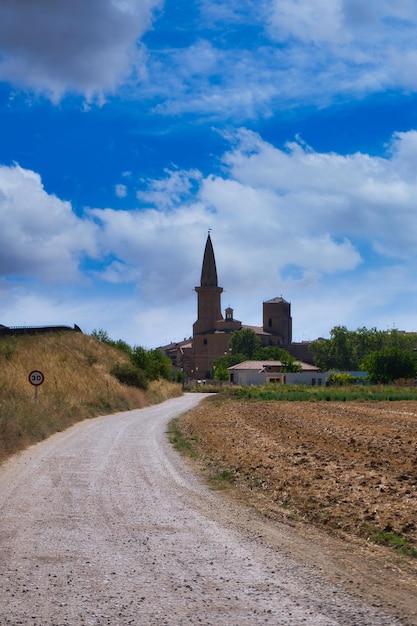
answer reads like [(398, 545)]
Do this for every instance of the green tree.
[(289, 363), (244, 341), (346, 349), (389, 364), (221, 364), (161, 366), (153, 362), (103, 337), (274, 353), (268, 353)]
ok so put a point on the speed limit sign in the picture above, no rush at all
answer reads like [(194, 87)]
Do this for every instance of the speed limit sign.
[(36, 378)]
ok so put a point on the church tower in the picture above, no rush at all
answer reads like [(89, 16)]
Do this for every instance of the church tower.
[(209, 307), (277, 320), (211, 331)]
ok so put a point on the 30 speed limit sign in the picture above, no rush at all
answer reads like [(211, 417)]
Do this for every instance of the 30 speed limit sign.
[(36, 378)]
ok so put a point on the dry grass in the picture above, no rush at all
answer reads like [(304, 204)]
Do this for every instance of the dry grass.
[(77, 385)]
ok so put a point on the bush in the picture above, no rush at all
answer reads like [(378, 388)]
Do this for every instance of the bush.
[(341, 379), (130, 375), (389, 364)]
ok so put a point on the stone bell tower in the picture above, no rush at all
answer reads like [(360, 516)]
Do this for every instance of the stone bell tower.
[(208, 293), (211, 331)]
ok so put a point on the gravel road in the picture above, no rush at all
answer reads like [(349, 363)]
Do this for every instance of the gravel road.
[(104, 524)]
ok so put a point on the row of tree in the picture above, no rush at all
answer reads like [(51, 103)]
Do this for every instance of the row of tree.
[(385, 355), (143, 365)]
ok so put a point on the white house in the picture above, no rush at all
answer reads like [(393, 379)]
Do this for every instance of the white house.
[(262, 372)]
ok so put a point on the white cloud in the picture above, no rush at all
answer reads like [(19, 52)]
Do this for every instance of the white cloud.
[(169, 191), (336, 235), (355, 195), (41, 236), (353, 47), (121, 191), (311, 21), (294, 51), (87, 47), (290, 52)]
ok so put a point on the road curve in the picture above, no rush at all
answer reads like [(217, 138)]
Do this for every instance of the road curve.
[(104, 524)]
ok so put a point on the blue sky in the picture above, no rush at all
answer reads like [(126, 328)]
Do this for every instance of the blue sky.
[(131, 127)]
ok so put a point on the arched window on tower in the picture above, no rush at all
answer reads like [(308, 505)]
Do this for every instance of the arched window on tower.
[(270, 322)]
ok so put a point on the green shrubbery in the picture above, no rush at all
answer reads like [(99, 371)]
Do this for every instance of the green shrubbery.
[(144, 366), (130, 375), (342, 379)]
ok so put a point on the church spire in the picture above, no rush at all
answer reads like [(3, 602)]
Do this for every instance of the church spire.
[(209, 309), (209, 271)]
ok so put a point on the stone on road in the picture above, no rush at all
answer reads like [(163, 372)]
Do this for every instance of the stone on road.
[(104, 524)]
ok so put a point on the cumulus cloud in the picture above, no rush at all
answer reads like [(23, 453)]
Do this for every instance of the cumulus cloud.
[(317, 191), (283, 219), (77, 46), (339, 233), (41, 237)]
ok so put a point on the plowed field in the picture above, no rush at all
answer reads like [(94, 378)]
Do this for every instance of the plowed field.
[(349, 467)]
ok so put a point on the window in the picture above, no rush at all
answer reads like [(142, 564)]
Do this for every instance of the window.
[(270, 322), (205, 342)]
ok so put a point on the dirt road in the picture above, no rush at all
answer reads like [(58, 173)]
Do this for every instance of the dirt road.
[(105, 525)]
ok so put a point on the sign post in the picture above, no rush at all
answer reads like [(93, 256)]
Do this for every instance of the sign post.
[(36, 379)]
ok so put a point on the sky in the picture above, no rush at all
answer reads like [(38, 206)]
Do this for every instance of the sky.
[(129, 128)]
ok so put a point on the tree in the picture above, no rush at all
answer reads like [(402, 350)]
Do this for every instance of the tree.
[(153, 362), (389, 364), (221, 364), (346, 349), (244, 341), (289, 364), (104, 337), (269, 353), (274, 353), (161, 365)]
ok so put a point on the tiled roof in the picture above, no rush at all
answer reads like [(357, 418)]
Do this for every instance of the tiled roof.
[(276, 300), (259, 365)]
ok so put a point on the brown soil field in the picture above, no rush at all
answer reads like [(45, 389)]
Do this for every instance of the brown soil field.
[(347, 469)]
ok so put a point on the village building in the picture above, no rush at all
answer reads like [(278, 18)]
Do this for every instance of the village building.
[(263, 372), (212, 332)]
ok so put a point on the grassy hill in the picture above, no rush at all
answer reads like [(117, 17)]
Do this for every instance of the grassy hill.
[(77, 385)]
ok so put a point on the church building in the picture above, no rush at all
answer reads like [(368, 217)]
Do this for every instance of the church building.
[(212, 331)]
